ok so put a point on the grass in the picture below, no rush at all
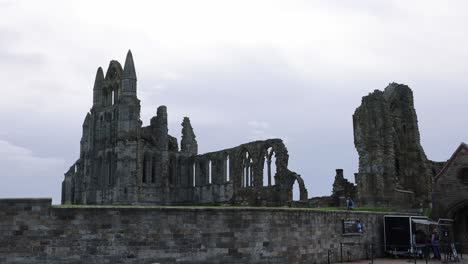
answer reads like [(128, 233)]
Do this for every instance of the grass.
[(361, 209), (221, 207)]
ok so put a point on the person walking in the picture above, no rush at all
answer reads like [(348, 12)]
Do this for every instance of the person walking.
[(359, 226), (435, 243)]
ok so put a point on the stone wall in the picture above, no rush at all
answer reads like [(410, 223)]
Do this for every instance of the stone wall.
[(33, 231), (450, 194)]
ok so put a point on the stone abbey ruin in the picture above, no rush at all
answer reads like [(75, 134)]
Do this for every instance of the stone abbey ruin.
[(393, 168), (122, 162), (129, 167)]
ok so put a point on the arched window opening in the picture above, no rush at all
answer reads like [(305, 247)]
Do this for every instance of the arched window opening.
[(296, 191), (397, 167), (99, 173), (209, 172), (266, 168), (112, 97), (269, 167), (247, 175), (114, 169), (171, 171), (193, 174), (153, 170), (463, 175), (109, 170), (228, 176), (145, 163)]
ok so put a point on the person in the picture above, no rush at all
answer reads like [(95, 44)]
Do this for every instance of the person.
[(359, 226), (350, 204), (435, 243), (420, 239), (347, 203)]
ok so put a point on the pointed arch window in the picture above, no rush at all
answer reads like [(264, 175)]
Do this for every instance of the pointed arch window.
[(269, 167), (247, 170)]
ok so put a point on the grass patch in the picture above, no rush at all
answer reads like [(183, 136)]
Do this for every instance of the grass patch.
[(361, 209), (223, 207)]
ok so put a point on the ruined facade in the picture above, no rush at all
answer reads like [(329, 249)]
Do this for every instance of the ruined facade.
[(450, 193), (393, 168), (342, 189), (122, 162)]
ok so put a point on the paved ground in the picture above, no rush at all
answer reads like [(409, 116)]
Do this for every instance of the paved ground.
[(406, 261)]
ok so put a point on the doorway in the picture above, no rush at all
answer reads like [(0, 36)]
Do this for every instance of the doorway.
[(460, 227)]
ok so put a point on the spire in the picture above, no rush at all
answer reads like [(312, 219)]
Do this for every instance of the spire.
[(99, 79), (129, 68), (129, 77), (97, 90)]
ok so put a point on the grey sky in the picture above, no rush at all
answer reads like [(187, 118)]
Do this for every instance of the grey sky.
[(242, 70)]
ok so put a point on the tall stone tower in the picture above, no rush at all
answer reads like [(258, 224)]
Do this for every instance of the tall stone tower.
[(110, 133), (393, 168)]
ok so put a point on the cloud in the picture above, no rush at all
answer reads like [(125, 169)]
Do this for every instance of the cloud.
[(294, 69), (27, 175)]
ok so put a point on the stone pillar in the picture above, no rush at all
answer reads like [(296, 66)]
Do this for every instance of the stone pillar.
[(188, 143)]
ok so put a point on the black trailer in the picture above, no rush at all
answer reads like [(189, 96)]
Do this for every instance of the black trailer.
[(403, 234)]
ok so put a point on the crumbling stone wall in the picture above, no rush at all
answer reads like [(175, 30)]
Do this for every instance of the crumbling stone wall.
[(450, 194), (393, 168), (122, 162), (342, 189), (33, 231), (247, 166), (451, 185)]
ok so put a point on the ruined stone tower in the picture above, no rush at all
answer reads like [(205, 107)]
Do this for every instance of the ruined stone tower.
[(122, 162), (393, 168)]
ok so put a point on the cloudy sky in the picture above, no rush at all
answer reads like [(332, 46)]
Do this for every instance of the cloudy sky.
[(242, 70)]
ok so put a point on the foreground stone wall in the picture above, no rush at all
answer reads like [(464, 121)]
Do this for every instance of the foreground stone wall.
[(33, 231)]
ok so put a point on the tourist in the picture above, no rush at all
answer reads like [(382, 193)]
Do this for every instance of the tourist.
[(435, 244), (349, 204), (359, 226)]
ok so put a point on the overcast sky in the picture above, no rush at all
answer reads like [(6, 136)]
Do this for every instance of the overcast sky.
[(241, 70)]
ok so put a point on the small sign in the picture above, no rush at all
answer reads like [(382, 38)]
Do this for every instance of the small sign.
[(454, 251), (352, 226)]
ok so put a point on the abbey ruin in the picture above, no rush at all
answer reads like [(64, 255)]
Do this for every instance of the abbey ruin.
[(122, 162), (393, 168), (129, 166)]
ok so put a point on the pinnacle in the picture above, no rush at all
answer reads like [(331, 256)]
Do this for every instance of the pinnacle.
[(129, 68), (99, 79)]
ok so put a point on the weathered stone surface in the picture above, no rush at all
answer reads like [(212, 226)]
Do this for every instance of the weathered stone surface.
[(33, 231), (188, 143), (122, 162), (450, 193), (393, 168), (342, 189)]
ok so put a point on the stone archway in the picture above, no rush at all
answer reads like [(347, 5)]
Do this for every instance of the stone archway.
[(303, 196), (459, 213)]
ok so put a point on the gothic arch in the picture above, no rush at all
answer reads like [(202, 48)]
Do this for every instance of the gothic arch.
[(268, 158), (247, 168)]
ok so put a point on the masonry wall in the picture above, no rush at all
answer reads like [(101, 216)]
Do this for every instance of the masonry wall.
[(33, 231)]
